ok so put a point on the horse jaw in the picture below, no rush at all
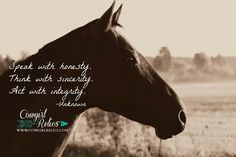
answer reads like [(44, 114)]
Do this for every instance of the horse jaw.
[(162, 135)]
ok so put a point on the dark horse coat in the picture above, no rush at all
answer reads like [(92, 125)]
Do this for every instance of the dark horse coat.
[(123, 82)]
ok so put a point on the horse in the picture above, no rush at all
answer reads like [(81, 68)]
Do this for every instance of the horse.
[(124, 82)]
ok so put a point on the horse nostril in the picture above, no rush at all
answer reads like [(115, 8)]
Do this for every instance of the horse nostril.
[(182, 117)]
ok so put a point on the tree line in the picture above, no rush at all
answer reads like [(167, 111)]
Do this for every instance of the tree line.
[(5, 63), (199, 67), (164, 61)]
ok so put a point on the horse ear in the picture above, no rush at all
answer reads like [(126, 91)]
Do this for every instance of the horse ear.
[(116, 16), (106, 19)]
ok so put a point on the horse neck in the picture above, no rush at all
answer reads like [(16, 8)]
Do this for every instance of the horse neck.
[(48, 55), (51, 52), (48, 143)]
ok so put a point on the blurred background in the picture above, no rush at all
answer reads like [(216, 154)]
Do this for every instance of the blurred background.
[(190, 43)]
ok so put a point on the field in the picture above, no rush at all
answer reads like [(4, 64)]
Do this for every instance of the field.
[(210, 130), (211, 119)]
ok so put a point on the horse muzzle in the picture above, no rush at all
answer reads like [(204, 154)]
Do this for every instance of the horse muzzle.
[(165, 132)]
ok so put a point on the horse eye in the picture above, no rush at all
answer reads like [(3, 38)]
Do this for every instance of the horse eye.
[(131, 60)]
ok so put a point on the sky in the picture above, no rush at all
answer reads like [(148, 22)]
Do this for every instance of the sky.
[(186, 27)]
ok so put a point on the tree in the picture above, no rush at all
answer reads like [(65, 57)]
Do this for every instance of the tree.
[(8, 61), (163, 60), (218, 60), (201, 60), (2, 65)]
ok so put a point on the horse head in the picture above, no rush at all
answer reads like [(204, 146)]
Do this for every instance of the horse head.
[(123, 80)]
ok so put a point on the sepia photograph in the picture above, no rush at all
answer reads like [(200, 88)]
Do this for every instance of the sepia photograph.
[(116, 78)]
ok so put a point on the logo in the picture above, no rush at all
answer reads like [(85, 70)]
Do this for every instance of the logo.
[(39, 122)]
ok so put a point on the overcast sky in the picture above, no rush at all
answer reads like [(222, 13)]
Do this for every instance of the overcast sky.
[(184, 26)]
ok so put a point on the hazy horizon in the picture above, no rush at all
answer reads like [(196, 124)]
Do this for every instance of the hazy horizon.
[(186, 27)]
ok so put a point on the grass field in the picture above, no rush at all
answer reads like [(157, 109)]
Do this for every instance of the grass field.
[(210, 130)]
